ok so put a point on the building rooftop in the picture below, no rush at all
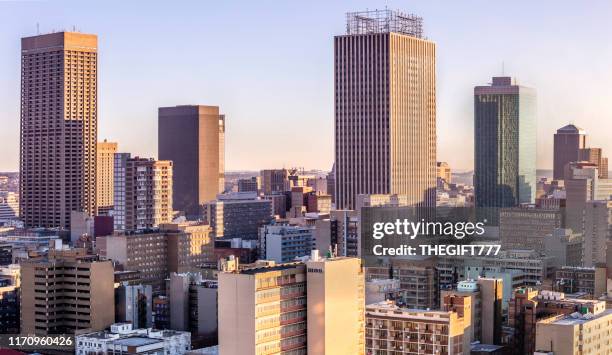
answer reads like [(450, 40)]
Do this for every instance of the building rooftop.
[(137, 341), (485, 348), (578, 318), (383, 21), (571, 129)]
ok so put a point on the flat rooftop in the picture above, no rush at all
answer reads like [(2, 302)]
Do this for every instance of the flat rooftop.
[(137, 341), (574, 320)]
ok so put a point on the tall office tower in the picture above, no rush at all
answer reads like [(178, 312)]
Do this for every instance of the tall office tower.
[(86, 304), (193, 138), (568, 142), (59, 122), (263, 310), (143, 192), (105, 176), (385, 108), (595, 156), (274, 181), (335, 305), (505, 144)]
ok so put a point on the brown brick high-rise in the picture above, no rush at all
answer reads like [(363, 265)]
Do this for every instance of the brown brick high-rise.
[(59, 120)]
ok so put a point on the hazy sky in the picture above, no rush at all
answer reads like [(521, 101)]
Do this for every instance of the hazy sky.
[(269, 66)]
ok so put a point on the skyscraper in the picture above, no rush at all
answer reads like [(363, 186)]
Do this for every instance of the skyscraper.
[(568, 142), (59, 121), (192, 137), (385, 108), (105, 176), (504, 144)]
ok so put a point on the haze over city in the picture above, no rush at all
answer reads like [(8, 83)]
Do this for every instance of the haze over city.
[(269, 67)]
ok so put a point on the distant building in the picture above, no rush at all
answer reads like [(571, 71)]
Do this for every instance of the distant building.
[(237, 215), (279, 204), (190, 245), (93, 294), (161, 312), (143, 252), (527, 228), (568, 142), (595, 156), (81, 224), (533, 267), (565, 246), (582, 184), (123, 339), (505, 144), (274, 180), (9, 206), (597, 231), (248, 185), (285, 243), (444, 171), (446, 330), (419, 286), (143, 193), (379, 290), (193, 138), (589, 280), (318, 203), (385, 141), (10, 305), (105, 177)]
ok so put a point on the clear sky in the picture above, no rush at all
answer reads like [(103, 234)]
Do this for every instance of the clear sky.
[(269, 66)]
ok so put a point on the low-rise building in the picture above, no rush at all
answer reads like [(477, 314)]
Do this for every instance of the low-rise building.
[(576, 333), (394, 330), (123, 339)]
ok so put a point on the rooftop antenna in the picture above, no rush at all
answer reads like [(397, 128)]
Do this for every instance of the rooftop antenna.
[(37, 28), (503, 68)]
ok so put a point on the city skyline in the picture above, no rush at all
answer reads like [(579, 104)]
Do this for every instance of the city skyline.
[(292, 85)]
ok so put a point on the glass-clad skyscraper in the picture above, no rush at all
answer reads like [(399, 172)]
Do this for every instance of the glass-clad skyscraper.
[(504, 144)]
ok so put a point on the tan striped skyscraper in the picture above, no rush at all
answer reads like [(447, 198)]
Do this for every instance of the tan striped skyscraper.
[(105, 176), (385, 109), (59, 121)]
